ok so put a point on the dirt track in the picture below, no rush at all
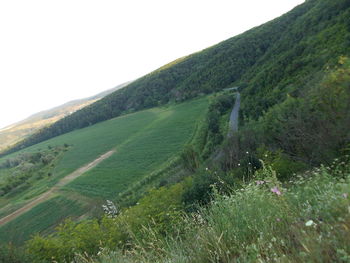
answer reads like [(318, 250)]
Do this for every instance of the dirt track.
[(47, 195)]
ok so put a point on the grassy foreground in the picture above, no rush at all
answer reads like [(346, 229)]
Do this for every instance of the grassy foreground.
[(307, 220)]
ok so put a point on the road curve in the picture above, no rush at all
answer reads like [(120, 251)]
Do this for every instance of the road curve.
[(47, 195)]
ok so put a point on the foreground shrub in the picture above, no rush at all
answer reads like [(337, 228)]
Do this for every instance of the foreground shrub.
[(306, 221), (11, 254), (156, 215)]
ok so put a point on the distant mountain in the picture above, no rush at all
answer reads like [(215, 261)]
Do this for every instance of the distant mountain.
[(267, 63), (22, 129)]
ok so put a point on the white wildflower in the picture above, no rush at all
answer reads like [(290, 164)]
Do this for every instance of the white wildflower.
[(309, 223), (110, 209)]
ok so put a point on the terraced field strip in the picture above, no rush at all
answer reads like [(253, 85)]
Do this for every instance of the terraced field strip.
[(47, 195)]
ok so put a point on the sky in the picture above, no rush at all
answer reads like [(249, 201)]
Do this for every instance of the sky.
[(54, 51)]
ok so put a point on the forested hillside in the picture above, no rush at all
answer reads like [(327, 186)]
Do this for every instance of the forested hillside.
[(182, 187), (267, 62), (266, 199)]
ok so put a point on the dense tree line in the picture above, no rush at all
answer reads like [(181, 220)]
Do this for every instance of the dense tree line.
[(313, 41), (20, 172), (300, 132)]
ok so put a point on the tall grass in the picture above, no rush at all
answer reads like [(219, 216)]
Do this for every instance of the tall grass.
[(307, 220)]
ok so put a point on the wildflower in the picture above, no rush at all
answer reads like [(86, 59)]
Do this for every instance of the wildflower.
[(345, 195), (110, 209), (206, 169), (278, 219), (239, 164), (260, 182), (309, 223), (247, 152), (276, 190)]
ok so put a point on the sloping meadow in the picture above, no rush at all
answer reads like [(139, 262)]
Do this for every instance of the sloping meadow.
[(143, 141)]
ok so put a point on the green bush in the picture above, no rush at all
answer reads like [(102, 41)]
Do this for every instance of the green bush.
[(263, 221), (313, 127), (190, 158), (203, 185), (217, 122), (160, 210), (12, 254)]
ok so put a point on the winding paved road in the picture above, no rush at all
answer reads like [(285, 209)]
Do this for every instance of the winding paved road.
[(233, 125), (47, 195)]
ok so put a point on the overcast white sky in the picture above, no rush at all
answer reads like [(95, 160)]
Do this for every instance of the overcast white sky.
[(54, 51)]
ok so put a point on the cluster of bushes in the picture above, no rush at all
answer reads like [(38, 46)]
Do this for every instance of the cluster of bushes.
[(217, 120), (300, 132), (160, 210), (18, 173), (12, 254), (313, 127), (304, 220), (265, 221), (22, 159), (212, 131)]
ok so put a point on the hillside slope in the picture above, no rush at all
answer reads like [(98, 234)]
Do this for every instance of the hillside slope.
[(20, 130), (145, 144), (266, 62), (276, 190)]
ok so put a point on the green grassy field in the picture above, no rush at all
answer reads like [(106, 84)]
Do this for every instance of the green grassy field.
[(40, 219), (142, 153), (144, 142), (88, 143)]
